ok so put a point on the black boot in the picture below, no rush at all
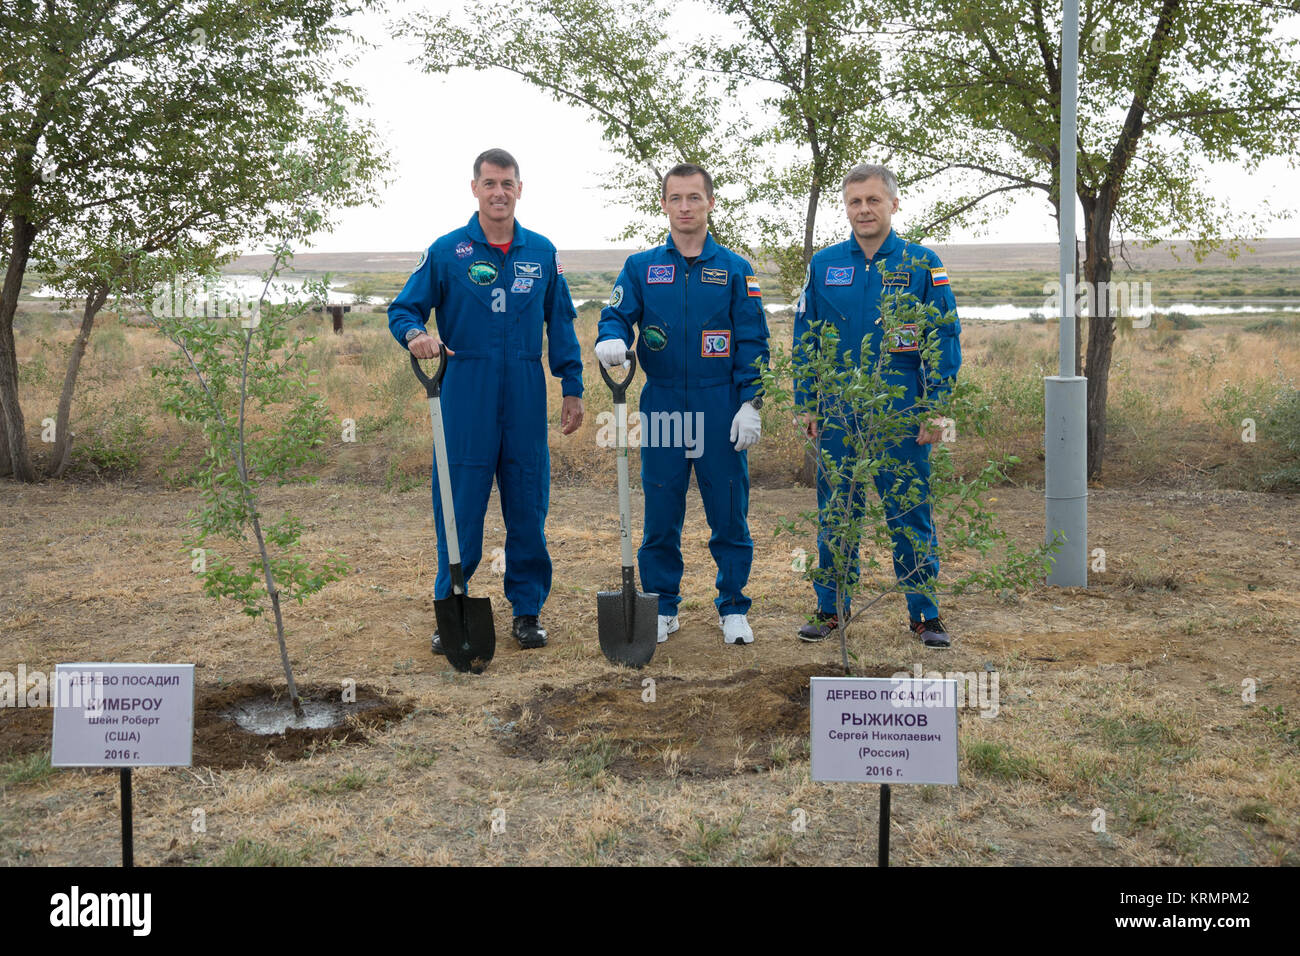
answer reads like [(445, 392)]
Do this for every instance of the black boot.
[(528, 632), (932, 633), (819, 627)]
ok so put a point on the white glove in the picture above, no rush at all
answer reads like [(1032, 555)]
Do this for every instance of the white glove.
[(746, 427), (612, 353)]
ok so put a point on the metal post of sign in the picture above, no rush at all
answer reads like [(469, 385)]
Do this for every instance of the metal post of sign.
[(128, 848), (882, 857), (1065, 481)]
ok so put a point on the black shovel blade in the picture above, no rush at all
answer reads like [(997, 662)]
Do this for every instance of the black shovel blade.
[(634, 649), (469, 637)]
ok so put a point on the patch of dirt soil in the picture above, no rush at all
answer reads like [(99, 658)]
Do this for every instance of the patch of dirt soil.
[(219, 742), (750, 721)]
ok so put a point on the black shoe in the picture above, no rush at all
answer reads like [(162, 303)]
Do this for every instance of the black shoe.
[(932, 633), (819, 628), (528, 632), (437, 645)]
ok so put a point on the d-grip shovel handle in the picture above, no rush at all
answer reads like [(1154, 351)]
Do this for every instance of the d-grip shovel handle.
[(620, 388), (433, 386)]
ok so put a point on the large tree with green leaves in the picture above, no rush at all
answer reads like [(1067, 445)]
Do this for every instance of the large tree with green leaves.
[(1165, 88), (773, 110), (156, 125), (960, 95), (816, 75), (612, 59)]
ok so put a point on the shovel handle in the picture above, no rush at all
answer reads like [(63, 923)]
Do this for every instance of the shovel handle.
[(432, 385), (620, 388)]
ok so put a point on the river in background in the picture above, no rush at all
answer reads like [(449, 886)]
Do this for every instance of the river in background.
[(246, 287)]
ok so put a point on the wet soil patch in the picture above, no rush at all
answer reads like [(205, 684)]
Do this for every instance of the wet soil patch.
[(747, 722), (221, 743), (219, 740)]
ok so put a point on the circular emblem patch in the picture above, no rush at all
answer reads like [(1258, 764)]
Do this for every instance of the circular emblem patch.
[(616, 297), (482, 273), (655, 337), (423, 256)]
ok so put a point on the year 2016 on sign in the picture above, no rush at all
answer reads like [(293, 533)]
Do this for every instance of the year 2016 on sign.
[(884, 730)]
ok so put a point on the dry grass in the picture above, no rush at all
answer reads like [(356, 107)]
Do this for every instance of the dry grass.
[(1110, 699), (1177, 399)]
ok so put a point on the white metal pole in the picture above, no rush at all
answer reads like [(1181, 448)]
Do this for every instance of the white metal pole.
[(1066, 394)]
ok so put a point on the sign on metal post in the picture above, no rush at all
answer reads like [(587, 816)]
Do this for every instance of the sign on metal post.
[(123, 716), (884, 730)]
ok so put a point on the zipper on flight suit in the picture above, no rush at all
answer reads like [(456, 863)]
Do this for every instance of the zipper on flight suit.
[(505, 329), (686, 325)]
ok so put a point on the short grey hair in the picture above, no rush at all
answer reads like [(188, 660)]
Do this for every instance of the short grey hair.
[(864, 171)]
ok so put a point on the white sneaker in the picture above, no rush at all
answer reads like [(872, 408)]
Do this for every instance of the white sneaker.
[(666, 626), (736, 629)]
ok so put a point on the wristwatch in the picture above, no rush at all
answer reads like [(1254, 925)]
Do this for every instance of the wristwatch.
[(412, 334), (756, 402)]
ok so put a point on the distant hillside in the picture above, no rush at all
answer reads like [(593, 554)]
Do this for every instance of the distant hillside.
[(969, 257)]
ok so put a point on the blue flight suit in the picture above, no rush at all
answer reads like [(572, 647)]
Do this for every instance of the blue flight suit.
[(844, 289), (491, 309), (702, 329)]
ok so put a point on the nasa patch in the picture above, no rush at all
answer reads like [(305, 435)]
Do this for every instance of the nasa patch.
[(660, 275), (464, 249), (715, 343), (839, 275)]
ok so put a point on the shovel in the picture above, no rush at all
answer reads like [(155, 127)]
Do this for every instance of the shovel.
[(469, 637), (627, 620)]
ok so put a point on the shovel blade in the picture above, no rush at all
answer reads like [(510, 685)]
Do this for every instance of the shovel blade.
[(469, 637), (636, 648)]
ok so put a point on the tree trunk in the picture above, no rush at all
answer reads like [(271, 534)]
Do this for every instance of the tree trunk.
[(1097, 268), (63, 435), (11, 414)]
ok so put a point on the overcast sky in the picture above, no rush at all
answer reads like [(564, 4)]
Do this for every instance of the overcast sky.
[(434, 126)]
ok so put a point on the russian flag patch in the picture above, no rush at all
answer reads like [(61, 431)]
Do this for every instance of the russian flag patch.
[(751, 286), (939, 276)]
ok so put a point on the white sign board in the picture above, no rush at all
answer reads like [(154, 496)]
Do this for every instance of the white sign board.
[(884, 729), (123, 715)]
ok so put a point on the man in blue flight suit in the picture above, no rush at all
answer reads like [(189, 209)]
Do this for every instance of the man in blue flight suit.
[(494, 285), (703, 329), (843, 289)]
